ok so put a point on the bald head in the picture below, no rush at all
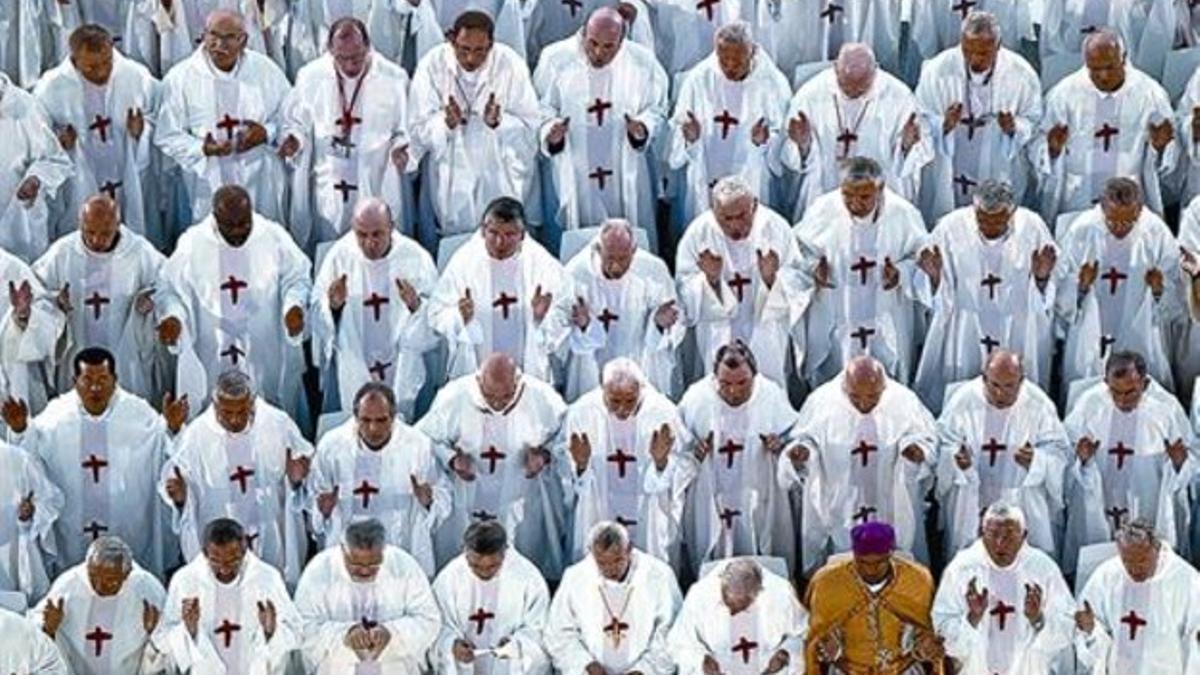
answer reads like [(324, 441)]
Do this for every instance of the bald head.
[(602, 36), (372, 225), (864, 382), (99, 223), (1002, 378), (349, 45), (855, 69), (497, 380), (234, 213), (224, 38)]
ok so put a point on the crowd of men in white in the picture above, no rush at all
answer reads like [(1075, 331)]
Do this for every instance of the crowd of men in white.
[(358, 417)]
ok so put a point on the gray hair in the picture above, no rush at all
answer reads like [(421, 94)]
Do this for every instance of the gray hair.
[(742, 576), (622, 369), (1122, 191), (856, 55), (110, 552), (731, 189), (617, 224), (994, 196), (608, 535), (1003, 512), (234, 384), (1100, 37), (1138, 532), (365, 535), (859, 169), (735, 33), (981, 24)]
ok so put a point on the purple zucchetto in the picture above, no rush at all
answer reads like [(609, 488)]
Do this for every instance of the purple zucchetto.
[(873, 538)]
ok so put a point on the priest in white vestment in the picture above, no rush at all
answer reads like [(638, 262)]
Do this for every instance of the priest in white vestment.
[(689, 28), (309, 23), (1143, 25), (860, 248), (738, 272), (1000, 440), (29, 505), (937, 25), (34, 168), (739, 421), (221, 111), (103, 106), (473, 118), (1134, 458), (493, 435), (854, 110), (827, 25), (1002, 606), (550, 22), (982, 104), (605, 103), (31, 325), (102, 612), (625, 306), (740, 618), (1184, 354), (370, 306), (1104, 120), (1120, 285), (622, 458), (728, 120), (366, 608), (614, 609), (345, 133), (103, 278), (990, 280), (162, 33), (245, 460), (232, 297), (26, 649), (227, 611), (864, 449), (103, 447), (503, 293), (376, 466), (494, 605), (1139, 613)]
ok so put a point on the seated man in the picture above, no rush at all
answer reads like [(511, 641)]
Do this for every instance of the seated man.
[(1137, 614), (614, 609), (1003, 607), (227, 611), (739, 618), (366, 607), (102, 612), (494, 605), (871, 611)]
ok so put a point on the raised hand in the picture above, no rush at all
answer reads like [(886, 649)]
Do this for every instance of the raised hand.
[(691, 128), (491, 112), (1085, 619), (175, 411), (1024, 456), (536, 459), (962, 458), (1033, 603), (399, 156), (63, 299), (558, 132), (800, 132), (266, 618), (1156, 281), (135, 123), (293, 321), (768, 266), (337, 293), (1042, 262), (1085, 449), (799, 454), (177, 488), (661, 442), (52, 617), (408, 295), (1056, 139), (666, 315), (760, 133), (930, 262), (297, 468), (704, 447), (453, 114), (288, 148), (952, 117), (21, 299), (150, 616), (422, 492), (891, 275), (1007, 123), (580, 448), (823, 274), (254, 135), (636, 131), (67, 137), (26, 509), (466, 306), (710, 264), (977, 602), (29, 188), (462, 465), (326, 501), (191, 615), (580, 316), (1088, 272), (910, 135), (540, 304), (1161, 134), (16, 414)]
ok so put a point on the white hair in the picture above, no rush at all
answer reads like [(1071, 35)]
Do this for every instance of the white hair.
[(731, 189), (981, 24), (608, 535), (623, 369), (735, 33), (742, 576), (110, 552), (1003, 512), (235, 385)]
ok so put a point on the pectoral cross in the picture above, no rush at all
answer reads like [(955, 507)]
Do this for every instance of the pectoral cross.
[(1134, 622), (94, 464), (376, 302), (992, 448), (620, 458), (730, 449), (96, 302), (240, 476), (597, 108), (864, 450), (347, 122), (991, 281), (847, 138), (492, 455), (707, 6), (98, 636), (1114, 277), (226, 630), (1120, 451), (600, 175), (345, 188), (725, 120), (745, 647), (1106, 133), (615, 629), (1001, 612), (365, 491), (964, 183), (503, 303), (863, 267), (100, 126), (862, 335), (234, 285), (973, 124), (228, 124)]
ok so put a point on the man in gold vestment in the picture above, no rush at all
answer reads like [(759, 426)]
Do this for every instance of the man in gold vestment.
[(870, 614)]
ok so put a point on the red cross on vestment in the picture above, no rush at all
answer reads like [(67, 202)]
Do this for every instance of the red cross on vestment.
[(1120, 451), (1001, 612), (597, 108), (234, 285), (376, 303), (862, 335), (95, 529), (600, 175), (725, 120), (1105, 133), (745, 647), (98, 636), (989, 343), (503, 303), (492, 455), (226, 630), (228, 124), (739, 283), (620, 458), (94, 464), (365, 491), (863, 267), (730, 449), (1134, 622), (864, 450), (707, 7), (240, 476), (345, 188), (1114, 277), (100, 126), (607, 317), (993, 448), (480, 617)]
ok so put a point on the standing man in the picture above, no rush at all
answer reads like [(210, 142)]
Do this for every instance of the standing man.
[(605, 99), (345, 134), (473, 119), (872, 611), (370, 305), (376, 466), (614, 609), (244, 460), (494, 605), (103, 107), (221, 112), (29, 505), (104, 448), (233, 296)]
